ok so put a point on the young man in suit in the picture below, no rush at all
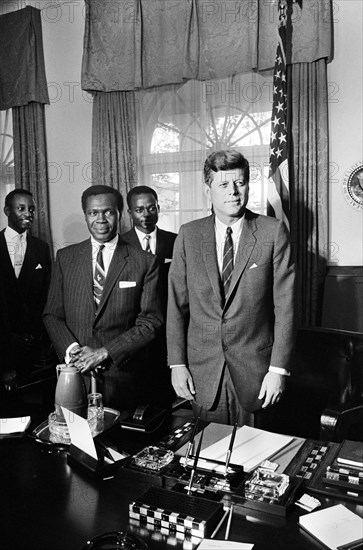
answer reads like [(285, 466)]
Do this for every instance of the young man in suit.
[(24, 279), (103, 307), (144, 209), (231, 309)]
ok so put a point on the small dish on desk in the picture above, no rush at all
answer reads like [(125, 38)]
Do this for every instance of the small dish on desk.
[(57, 433)]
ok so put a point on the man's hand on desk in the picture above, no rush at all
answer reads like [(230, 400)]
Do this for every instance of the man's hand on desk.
[(272, 388), (182, 382), (88, 359)]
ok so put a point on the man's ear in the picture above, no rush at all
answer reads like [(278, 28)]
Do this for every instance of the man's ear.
[(207, 190), (6, 211)]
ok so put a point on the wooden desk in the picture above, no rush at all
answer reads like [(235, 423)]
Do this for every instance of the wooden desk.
[(47, 505)]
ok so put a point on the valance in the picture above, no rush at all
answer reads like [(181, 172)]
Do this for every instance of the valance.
[(22, 71), (131, 44)]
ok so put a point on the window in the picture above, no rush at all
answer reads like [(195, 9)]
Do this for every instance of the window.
[(180, 125), (7, 177)]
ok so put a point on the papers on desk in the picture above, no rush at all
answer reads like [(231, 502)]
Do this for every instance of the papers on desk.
[(80, 433), (251, 447), (212, 544), (13, 426), (336, 527)]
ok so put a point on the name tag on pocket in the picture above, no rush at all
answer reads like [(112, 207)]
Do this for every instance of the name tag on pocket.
[(126, 284)]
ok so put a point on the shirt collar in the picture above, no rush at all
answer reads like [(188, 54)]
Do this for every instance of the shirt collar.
[(110, 245), (236, 227), (141, 235), (12, 234)]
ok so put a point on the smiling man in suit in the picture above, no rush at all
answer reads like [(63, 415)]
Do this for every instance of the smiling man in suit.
[(144, 210), (24, 279), (231, 310), (103, 307)]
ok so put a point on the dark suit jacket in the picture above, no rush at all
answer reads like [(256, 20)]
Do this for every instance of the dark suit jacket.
[(253, 329), (22, 299), (159, 375), (164, 251), (126, 320)]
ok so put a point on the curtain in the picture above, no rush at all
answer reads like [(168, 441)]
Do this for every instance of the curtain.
[(130, 44), (23, 87), (22, 71), (114, 143), (309, 202), (30, 161)]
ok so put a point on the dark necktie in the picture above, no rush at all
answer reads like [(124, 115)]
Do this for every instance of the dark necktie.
[(147, 245), (227, 266), (99, 276)]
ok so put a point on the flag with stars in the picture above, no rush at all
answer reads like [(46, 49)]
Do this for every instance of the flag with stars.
[(278, 196)]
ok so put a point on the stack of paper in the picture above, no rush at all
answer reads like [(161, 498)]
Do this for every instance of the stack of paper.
[(13, 426), (251, 447), (335, 526)]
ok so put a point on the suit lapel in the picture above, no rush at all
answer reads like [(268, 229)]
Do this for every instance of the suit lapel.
[(29, 264), (118, 263), (133, 238), (6, 264), (209, 255), (161, 245), (246, 245), (83, 266)]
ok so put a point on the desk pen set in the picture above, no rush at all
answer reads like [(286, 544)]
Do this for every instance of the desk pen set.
[(187, 483)]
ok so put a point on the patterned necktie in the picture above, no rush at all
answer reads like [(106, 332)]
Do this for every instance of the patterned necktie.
[(99, 276), (18, 256), (227, 266), (147, 243)]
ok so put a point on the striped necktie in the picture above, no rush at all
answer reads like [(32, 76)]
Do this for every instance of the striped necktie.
[(147, 243), (227, 266), (99, 276)]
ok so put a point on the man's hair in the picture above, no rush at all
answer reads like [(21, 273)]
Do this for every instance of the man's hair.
[(225, 160), (9, 197), (102, 190), (140, 190)]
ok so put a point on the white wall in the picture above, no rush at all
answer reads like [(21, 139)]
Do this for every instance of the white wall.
[(68, 119), (345, 78)]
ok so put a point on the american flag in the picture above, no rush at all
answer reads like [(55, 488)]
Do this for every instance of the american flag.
[(278, 196)]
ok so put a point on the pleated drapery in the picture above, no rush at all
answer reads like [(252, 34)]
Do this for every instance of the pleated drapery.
[(130, 44), (114, 155), (30, 162), (310, 183)]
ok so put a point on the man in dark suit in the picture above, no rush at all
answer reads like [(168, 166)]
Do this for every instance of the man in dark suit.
[(231, 309), (144, 209), (103, 307), (24, 279)]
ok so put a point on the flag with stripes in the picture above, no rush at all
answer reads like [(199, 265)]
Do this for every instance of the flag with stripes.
[(278, 196)]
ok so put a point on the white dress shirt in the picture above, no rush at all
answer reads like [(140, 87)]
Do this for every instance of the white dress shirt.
[(107, 252), (152, 240), (17, 245)]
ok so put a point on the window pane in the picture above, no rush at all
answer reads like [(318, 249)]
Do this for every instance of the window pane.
[(7, 178)]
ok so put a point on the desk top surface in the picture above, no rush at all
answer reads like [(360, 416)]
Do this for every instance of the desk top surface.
[(47, 505)]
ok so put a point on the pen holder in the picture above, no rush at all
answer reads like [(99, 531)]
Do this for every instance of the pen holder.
[(103, 467), (209, 479)]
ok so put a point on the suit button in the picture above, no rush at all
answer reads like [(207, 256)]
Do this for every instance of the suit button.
[(224, 347), (224, 321)]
